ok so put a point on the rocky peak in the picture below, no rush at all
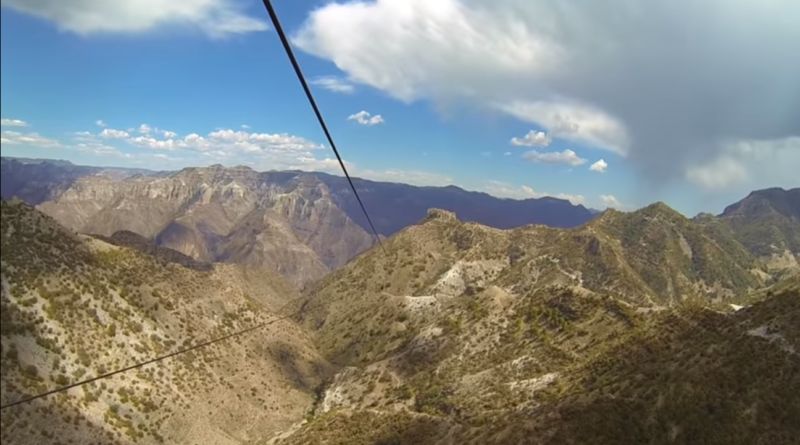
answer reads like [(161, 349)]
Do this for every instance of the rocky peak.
[(441, 215)]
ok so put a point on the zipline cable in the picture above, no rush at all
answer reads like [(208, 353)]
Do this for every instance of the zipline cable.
[(287, 47)]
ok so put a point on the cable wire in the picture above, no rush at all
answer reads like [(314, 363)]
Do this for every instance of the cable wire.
[(273, 15), (279, 29), (149, 362)]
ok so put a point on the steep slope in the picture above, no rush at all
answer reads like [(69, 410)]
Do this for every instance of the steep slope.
[(650, 258), (291, 226), (674, 255), (459, 325), (75, 306), (767, 221), (685, 375), (618, 331)]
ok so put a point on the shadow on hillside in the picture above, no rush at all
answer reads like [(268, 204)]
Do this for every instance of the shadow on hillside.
[(305, 374), (131, 240)]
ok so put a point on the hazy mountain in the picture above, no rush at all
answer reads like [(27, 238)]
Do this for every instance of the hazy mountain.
[(39, 180), (75, 306), (395, 206), (300, 224)]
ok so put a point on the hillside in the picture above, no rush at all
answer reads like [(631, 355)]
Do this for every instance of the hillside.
[(75, 306), (688, 375), (618, 331), (650, 259)]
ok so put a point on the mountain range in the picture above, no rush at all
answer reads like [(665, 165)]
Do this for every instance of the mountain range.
[(300, 224), (644, 326), (630, 327)]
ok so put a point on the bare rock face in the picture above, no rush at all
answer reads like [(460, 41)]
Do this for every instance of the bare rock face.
[(237, 215)]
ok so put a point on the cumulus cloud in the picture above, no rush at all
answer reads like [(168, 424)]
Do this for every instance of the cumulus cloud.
[(144, 129), (505, 190), (110, 133), (216, 18), (622, 82), (364, 118), (13, 123), (610, 201), (100, 123), (573, 122), (310, 163), (100, 149), (599, 166), (566, 157), (532, 139), (32, 139), (227, 142), (335, 84)]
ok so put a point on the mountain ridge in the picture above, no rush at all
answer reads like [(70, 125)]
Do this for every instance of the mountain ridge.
[(310, 219)]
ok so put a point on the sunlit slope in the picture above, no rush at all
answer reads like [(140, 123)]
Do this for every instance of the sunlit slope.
[(74, 307), (682, 375)]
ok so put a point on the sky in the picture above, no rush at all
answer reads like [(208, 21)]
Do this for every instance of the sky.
[(607, 104)]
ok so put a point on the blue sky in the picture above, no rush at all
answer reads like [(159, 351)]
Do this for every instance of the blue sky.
[(148, 83)]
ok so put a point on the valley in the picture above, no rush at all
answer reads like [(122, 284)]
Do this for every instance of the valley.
[(629, 327)]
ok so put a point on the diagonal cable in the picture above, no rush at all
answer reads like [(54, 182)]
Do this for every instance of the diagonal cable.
[(279, 29)]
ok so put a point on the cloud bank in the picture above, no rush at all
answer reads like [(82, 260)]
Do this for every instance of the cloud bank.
[(674, 87)]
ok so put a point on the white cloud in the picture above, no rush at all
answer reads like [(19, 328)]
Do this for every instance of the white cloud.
[(748, 164), (599, 166), (13, 123), (505, 190), (34, 139), (216, 18), (144, 129), (100, 123), (166, 133), (335, 84), (611, 201), (100, 149), (245, 127), (532, 139), (566, 157), (110, 133), (414, 177), (363, 118), (614, 81), (310, 163), (226, 142), (573, 122)]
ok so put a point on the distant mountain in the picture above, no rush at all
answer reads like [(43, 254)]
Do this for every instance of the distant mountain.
[(395, 206), (767, 221), (300, 224), (39, 180)]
